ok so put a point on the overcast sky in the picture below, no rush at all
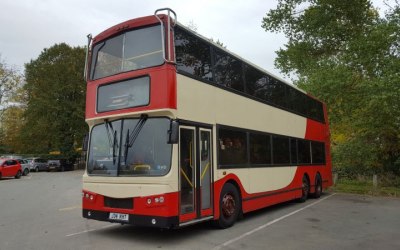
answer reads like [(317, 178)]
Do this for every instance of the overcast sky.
[(29, 26)]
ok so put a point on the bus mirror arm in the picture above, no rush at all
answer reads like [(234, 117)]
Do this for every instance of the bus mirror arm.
[(173, 132)]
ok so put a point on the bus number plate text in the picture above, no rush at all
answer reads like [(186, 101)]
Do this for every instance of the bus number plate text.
[(118, 216)]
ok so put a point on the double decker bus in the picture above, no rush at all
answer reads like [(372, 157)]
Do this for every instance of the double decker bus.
[(183, 130)]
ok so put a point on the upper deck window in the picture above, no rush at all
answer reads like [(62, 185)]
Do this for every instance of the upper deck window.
[(133, 50), (192, 55), (202, 60)]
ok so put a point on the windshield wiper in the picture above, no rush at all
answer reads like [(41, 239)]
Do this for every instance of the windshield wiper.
[(112, 141), (131, 138)]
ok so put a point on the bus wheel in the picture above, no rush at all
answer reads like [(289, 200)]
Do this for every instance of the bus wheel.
[(229, 206), (305, 189), (318, 187)]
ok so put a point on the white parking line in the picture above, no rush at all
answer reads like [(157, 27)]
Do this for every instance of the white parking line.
[(269, 224), (90, 230), (69, 208)]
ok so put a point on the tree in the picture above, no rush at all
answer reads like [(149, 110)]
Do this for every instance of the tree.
[(55, 92), (347, 55), (10, 80), (192, 26)]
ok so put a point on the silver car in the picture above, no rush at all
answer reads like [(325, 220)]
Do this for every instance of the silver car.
[(25, 166), (37, 164)]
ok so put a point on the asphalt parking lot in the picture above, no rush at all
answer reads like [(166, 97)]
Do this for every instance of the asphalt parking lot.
[(42, 211)]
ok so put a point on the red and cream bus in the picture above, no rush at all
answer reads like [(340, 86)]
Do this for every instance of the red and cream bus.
[(183, 130)]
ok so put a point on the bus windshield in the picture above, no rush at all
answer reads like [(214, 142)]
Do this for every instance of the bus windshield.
[(149, 154), (132, 50)]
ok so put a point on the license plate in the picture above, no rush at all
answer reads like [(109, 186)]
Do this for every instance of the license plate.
[(118, 216)]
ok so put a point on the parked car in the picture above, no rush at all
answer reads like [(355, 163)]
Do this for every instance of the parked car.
[(10, 168), (24, 166), (37, 164), (60, 165)]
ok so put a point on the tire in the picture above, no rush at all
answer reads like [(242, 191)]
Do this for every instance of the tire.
[(230, 206), (318, 187), (305, 189), (36, 169), (19, 173), (26, 172)]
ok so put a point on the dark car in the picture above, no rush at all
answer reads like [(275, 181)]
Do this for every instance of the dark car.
[(60, 165)]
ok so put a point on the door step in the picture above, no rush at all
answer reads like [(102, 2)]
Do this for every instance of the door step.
[(196, 221)]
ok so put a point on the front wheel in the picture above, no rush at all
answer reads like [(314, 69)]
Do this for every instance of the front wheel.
[(229, 206)]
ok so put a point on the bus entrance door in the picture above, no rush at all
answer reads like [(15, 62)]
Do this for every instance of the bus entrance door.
[(195, 167)]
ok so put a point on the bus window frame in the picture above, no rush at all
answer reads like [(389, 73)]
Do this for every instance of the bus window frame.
[(119, 81), (93, 45)]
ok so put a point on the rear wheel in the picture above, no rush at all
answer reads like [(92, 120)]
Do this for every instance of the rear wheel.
[(229, 206), (37, 169), (318, 187), (305, 189), (18, 175)]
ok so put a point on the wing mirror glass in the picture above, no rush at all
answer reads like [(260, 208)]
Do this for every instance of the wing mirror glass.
[(173, 132)]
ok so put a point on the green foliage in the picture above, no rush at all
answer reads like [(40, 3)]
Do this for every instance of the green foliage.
[(10, 80), (345, 54), (388, 185), (55, 92)]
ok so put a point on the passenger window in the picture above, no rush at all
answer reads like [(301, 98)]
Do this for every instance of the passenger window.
[(256, 82), (232, 147), (276, 92), (260, 149), (228, 71), (280, 149), (192, 55), (304, 153), (318, 152), (293, 151)]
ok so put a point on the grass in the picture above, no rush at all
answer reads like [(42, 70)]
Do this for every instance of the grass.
[(365, 187)]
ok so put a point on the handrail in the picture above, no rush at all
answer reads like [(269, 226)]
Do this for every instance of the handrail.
[(168, 31), (89, 36)]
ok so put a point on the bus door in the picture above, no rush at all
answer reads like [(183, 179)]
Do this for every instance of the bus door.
[(195, 167)]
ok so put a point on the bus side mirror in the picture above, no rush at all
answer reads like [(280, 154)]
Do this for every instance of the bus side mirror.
[(173, 132), (85, 142)]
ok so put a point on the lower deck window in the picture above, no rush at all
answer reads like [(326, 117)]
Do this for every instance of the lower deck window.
[(232, 147), (240, 148)]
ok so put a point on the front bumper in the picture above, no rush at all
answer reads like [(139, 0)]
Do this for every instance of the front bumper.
[(137, 220)]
